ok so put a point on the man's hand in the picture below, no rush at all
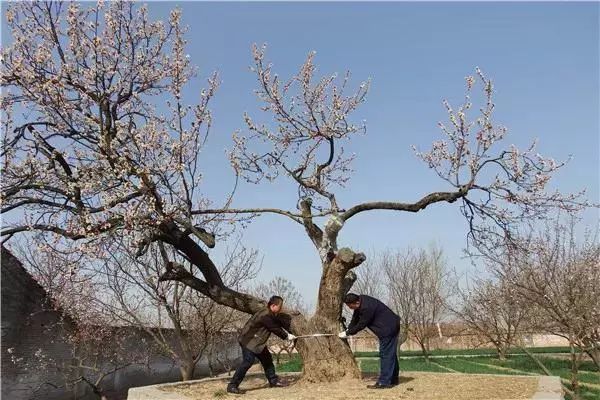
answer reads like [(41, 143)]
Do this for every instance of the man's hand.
[(291, 337), (342, 335)]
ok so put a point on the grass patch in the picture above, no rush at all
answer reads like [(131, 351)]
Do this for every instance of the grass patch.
[(556, 366), (587, 393), (461, 352), (467, 366), (418, 364), (293, 365)]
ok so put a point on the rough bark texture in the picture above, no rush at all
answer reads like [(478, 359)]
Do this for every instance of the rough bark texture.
[(329, 359), (325, 359)]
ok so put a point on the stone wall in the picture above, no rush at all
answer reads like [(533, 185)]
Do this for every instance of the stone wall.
[(30, 325)]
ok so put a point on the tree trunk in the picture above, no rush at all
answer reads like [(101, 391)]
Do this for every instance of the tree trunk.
[(592, 349), (404, 332), (595, 356), (328, 359), (425, 351), (501, 351), (187, 370), (325, 359), (575, 359)]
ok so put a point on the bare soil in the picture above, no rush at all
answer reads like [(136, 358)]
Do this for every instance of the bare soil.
[(413, 386)]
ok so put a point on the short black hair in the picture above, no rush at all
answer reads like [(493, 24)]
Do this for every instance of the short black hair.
[(351, 298), (278, 300)]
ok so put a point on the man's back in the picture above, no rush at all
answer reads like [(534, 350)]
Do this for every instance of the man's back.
[(375, 315)]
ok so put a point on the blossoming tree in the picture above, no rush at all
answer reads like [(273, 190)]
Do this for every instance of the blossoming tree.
[(99, 144)]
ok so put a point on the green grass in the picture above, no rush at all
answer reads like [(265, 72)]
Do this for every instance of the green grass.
[(468, 366), (417, 364), (587, 393), (293, 365), (479, 351), (559, 367)]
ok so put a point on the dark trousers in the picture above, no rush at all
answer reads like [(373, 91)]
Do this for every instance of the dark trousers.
[(248, 358), (388, 359)]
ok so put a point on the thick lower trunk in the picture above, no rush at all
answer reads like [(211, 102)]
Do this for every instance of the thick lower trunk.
[(325, 359), (329, 359)]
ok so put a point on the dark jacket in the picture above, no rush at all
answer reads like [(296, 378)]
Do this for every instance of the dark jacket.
[(376, 316), (256, 332)]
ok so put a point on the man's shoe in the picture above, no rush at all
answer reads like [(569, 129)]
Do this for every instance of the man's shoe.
[(379, 386), (233, 389), (277, 384)]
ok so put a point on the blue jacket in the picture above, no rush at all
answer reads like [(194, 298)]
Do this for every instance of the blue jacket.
[(376, 316)]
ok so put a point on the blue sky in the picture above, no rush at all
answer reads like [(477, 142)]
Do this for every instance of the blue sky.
[(543, 58)]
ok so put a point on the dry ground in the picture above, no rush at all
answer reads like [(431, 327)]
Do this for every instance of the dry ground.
[(413, 386)]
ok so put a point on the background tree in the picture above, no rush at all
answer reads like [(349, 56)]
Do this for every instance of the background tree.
[(185, 325), (369, 278), (96, 345), (418, 287), (559, 276), (493, 311), (96, 158)]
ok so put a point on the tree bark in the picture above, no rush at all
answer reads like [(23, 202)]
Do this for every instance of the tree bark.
[(575, 359), (501, 351), (329, 359), (425, 351)]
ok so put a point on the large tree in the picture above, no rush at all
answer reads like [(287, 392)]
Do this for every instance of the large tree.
[(100, 144)]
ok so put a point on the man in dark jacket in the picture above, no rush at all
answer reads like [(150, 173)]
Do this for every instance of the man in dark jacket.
[(253, 340), (385, 324)]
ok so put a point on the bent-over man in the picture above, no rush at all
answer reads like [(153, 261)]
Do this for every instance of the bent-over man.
[(385, 324)]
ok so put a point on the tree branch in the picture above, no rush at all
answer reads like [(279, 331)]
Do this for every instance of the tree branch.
[(431, 198)]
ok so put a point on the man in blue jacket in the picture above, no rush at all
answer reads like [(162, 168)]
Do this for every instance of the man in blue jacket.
[(385, 324)]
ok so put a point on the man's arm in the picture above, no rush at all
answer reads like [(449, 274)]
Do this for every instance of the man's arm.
[(285, 320), (360, 320), (274, 326)]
